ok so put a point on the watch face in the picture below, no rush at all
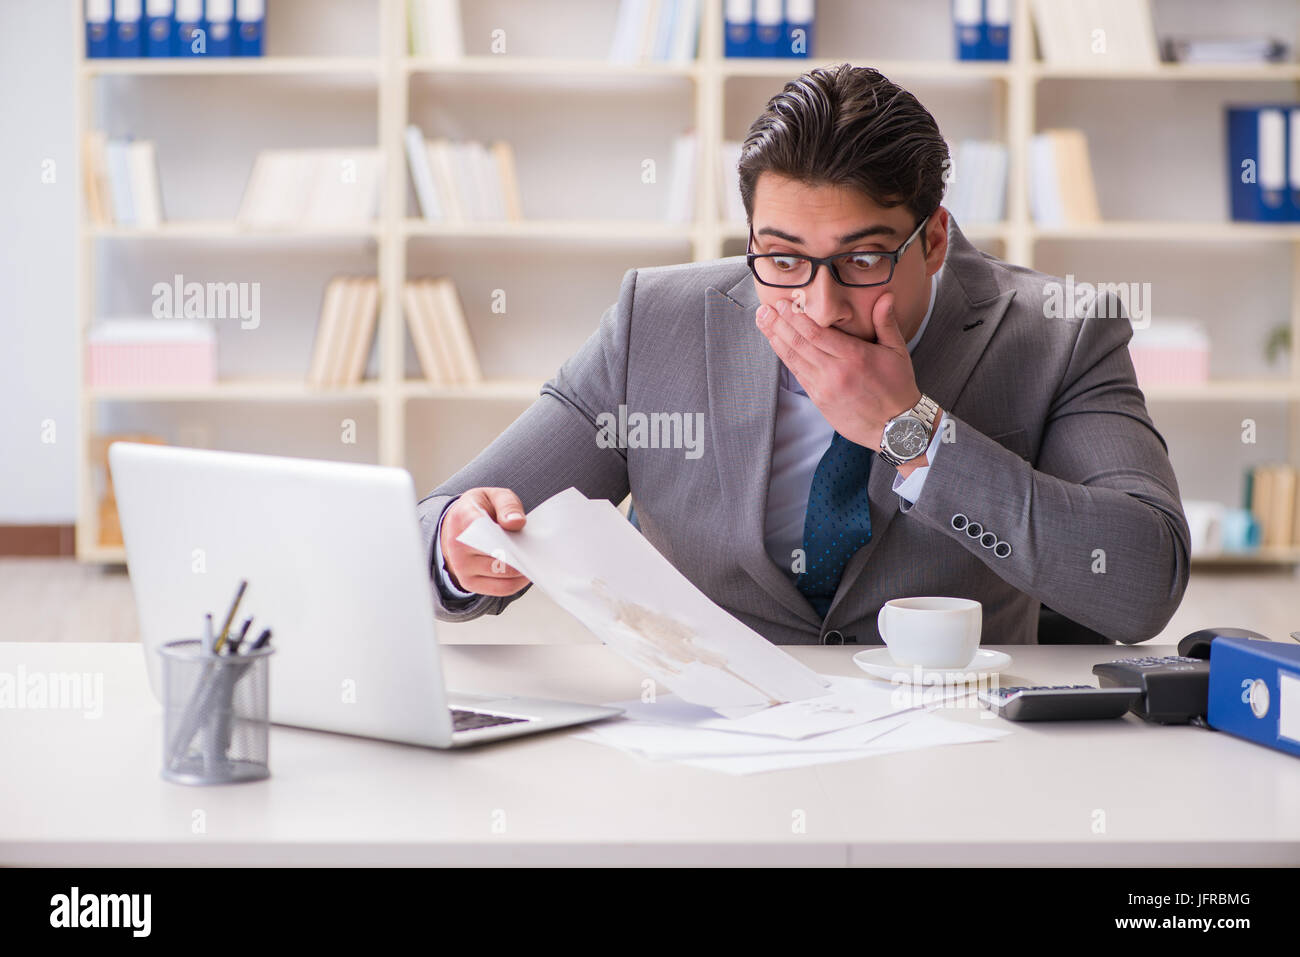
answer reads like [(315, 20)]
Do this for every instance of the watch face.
[(906, 438)]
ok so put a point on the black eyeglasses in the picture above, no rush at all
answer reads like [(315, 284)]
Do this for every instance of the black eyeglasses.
[(857, 269)]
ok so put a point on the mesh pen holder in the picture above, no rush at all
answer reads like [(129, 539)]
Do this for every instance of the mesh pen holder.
[(216, 714)]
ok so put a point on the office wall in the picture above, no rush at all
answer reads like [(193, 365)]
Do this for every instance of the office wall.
[(37, 246)]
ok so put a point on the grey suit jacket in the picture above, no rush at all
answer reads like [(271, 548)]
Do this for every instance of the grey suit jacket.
[(1053, 455)]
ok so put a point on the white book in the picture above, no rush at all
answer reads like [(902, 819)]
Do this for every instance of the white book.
[(277, 190), (444, 36), (144, 184), (631, 14), (645, 47), (1044, 193), (1054, 38), (686, 30), (417, 159), (730, 206), (444, 176), (117, 154), (489, 180), (663, 30), (999, 161), (462, 164), (681, 185)]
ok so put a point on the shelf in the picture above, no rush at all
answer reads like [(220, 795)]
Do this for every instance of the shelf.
[(532, 65), (1281, 555), (1171, 230), (593, 230), (201, 66), (909, 69), (976, 231), (236, 390), (1279, 390), (524, 390), (103, 554), (229, 229), (1257, 72)]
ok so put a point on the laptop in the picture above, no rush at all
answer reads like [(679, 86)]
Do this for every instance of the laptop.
[(336, 569)]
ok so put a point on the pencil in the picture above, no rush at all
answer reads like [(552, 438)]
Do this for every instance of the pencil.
[(230, 615)]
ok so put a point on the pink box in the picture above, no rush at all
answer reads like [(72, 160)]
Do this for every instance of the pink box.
[(151, 353), (1170, 366)]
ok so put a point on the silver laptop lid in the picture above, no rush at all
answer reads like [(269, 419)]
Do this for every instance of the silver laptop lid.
[(335, 567)]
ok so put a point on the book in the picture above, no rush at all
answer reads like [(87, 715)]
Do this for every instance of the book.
[(316, 187), (451, 314), (328, 332), (417, 159), (655, 31), (98, 202), (360, 331), (1061, 187), (431, 362), (144, 184), (1096, 34)]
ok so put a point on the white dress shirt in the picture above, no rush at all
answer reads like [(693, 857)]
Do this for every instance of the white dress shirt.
[(802, 436)]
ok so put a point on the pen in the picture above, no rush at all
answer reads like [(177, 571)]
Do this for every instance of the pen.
[(230, 615), (262, 639), (233, 646), (207, 634)]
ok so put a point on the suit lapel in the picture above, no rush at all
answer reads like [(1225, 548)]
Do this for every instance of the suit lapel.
[(743, 379)]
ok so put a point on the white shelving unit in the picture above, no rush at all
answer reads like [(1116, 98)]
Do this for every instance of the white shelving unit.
[(1015, 92)]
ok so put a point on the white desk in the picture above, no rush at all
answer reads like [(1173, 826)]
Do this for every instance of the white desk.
[(87, 792)]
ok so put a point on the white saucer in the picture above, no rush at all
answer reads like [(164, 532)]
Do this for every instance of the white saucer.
[(878, 663)]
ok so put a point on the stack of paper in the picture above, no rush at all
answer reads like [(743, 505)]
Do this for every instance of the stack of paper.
[(858, 718), (740, 703)]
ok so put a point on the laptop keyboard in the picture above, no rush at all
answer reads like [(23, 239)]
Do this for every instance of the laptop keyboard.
[(471, 720)]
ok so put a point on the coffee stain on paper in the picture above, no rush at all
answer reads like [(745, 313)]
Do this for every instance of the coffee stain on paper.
[(664, 643)]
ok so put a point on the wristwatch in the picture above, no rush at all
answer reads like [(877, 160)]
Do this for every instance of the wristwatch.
[(907, 435)]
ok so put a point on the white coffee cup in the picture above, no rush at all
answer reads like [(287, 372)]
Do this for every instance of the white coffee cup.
[(932, 632)]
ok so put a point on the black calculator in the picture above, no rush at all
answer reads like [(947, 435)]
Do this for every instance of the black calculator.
[(1059, 702)]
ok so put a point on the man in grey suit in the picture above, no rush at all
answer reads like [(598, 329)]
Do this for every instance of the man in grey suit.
[(883, 411)]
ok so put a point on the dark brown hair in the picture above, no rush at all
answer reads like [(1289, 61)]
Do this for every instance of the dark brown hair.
[(848, 126)]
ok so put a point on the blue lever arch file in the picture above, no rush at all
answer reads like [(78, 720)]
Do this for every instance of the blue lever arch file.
[(1255, 691)]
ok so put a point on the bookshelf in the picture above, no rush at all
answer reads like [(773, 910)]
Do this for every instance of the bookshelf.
[(718, 97)]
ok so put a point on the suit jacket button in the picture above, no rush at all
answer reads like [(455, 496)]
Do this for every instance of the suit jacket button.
[(959, 521), (1002, 549), (974, 529), (988, 539), (833, 638)]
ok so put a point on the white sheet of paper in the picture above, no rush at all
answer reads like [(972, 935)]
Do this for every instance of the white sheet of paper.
[(912, 731), (590, 560), (848, 702), (661, 742)]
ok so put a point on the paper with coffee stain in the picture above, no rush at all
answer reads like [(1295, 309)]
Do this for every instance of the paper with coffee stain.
[(586, 556)]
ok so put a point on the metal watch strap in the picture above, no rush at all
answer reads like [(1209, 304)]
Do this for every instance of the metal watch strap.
[(925, 409)]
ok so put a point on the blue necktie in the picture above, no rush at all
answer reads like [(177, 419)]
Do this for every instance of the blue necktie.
[(838, 522)]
